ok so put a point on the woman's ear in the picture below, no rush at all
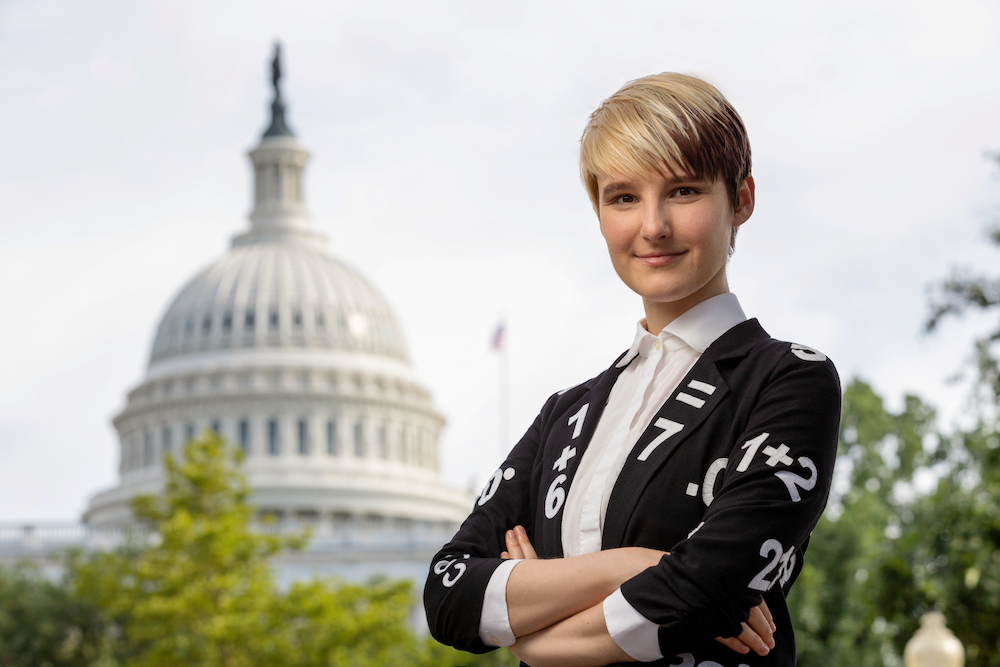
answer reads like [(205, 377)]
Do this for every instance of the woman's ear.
[(746, 199)]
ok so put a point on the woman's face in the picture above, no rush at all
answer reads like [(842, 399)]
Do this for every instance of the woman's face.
[(668, 237)]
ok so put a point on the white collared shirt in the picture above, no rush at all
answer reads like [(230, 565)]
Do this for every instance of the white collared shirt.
[(655, 365)]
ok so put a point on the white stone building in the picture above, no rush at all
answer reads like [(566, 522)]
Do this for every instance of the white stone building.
[(294, 357)]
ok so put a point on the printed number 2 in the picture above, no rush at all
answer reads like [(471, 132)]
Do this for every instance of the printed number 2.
[(792, 480), (786, 559)]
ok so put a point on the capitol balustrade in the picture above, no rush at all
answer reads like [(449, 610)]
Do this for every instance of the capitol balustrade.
[(336, 538)]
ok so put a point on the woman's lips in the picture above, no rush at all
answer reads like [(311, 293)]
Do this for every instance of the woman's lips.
[(659, 258)]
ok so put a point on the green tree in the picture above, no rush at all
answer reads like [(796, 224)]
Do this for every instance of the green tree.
[(955, 560), (195, 588), (948, 554), (42, 625), (837, 618), (889, 550)]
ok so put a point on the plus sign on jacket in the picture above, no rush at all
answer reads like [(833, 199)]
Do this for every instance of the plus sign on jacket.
[(730, 477)]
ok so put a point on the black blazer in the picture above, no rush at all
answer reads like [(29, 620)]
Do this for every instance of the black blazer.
[(730, 478)]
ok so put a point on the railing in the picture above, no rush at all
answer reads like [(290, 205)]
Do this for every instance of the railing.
[(344, 537)]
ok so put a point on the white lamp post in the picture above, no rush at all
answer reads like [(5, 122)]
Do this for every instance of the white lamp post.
[(934, 645)]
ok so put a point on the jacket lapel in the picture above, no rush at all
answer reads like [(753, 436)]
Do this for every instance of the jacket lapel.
[(697, 395), (556, 460)]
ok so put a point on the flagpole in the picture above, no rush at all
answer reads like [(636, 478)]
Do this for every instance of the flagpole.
[(504, 404), (503, 388)]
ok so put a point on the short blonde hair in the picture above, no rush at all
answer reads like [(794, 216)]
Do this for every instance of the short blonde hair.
[(671, 121)]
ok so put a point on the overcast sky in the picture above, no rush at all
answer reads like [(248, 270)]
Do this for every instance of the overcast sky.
[(444, 138)]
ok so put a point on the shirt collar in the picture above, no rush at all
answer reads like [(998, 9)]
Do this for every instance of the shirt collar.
[(699, 327)]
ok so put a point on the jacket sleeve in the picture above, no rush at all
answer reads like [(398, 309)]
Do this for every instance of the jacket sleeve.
[(774, 489), (461, 570)]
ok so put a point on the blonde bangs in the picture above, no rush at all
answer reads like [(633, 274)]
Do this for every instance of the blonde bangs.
[(619, 141), (669, 122)]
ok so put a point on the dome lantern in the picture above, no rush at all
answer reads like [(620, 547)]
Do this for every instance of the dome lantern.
[(279, 211)]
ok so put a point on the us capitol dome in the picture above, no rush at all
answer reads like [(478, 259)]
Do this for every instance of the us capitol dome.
[(294, 357)]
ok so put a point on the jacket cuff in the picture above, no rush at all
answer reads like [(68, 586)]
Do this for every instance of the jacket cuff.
[(634, 633), (494, 622)]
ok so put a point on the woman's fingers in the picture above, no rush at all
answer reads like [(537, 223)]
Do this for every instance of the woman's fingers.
[(767, 614), (524, 542), (513, 545), (757, 635), (747, 641), (761, 625), (734, 643), (518, 545)]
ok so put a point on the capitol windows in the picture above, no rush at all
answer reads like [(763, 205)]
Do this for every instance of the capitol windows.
[(303, 437), (359, 439), (244, 435), (206, 325), (383, 445), (216, 427), (273, 445), (273, 320), (189, 432), (167, 441), (297, 319), (147, 449), (248, 320), (227, 322), (320, 321), (331, 438)]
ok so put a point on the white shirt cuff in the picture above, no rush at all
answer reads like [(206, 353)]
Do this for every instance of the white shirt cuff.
[(633, 632), (494, 623)]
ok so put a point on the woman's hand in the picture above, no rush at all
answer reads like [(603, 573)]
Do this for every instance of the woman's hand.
[(518, 544), (758, 631), (757, 635)]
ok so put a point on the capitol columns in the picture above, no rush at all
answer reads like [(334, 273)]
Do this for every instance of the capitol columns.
[(934, 645)]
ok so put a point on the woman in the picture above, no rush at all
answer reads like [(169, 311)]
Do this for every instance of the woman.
[(670, 498)]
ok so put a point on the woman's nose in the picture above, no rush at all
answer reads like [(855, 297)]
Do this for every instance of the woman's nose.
[(655, 221)]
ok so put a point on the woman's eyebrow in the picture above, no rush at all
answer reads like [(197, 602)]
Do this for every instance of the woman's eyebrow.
[(617, 186)]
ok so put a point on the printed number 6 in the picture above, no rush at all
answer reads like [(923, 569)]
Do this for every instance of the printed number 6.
[(555, 497)]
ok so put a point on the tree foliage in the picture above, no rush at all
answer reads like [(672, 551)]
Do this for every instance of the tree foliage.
[(42, 625), (918, 526), (197, 589), (917, 529)]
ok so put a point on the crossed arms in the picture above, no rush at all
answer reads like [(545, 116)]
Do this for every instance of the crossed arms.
[(556, 611)]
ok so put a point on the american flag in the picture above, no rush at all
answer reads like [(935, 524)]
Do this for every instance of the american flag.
[(498, 337)]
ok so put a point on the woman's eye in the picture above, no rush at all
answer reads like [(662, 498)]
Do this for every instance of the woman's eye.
[(685, 192), (625, 199)]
